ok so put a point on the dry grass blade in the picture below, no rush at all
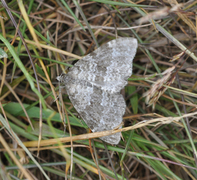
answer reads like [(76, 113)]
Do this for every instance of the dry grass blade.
[(152, 122), (23, 170)]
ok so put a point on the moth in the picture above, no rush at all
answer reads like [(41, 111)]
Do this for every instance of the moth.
[(94, 83)]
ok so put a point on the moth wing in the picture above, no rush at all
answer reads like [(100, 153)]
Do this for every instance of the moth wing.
[(100, 110), (109, 66)]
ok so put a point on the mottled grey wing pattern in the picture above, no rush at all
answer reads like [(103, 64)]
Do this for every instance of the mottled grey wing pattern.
[(94, 83), (109, 66)]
